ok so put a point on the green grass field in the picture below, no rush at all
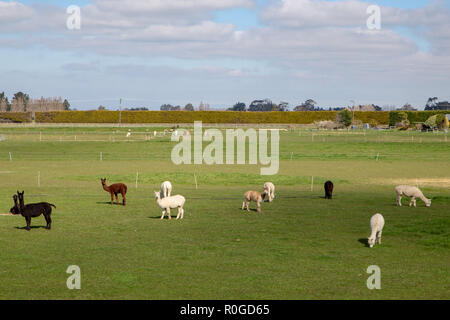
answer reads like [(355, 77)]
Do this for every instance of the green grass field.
[(300, 247)]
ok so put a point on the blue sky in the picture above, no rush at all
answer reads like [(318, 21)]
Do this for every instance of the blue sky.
[(181, 56)]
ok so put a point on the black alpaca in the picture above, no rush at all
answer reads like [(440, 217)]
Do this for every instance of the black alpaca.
[(34, 210), (15, 209), (328, 190)]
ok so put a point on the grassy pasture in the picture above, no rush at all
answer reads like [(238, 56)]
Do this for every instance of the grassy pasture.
[(300, 247)]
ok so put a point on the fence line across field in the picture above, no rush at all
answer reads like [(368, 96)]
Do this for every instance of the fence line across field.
[(116, 156)]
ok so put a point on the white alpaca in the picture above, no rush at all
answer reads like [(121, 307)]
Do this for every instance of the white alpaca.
[(376, 225), (171, 203), (413, 193), (269, 189), (166, 189)]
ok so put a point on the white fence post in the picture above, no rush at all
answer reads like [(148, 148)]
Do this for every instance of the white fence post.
[(137, 178)]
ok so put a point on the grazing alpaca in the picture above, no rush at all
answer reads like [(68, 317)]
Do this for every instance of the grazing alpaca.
[(166, 189), (411, 192), (329, 190), (34, 210), (170, 203), (255, 196), (269, 189), (114, 190), (376, 225)]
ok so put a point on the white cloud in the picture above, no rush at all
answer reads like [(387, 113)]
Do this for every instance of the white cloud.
[(301, 39), (11, 12)]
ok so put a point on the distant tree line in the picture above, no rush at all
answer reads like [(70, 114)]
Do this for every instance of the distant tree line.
[(21, 102), (433, 104)]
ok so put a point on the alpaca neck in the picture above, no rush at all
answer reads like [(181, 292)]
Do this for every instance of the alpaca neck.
[(423, 198), (106, 188)]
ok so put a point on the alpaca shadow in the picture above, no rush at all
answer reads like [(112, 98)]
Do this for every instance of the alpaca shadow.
[(31, 227), (174, 217), (364, 242), (251, 209), (108, 202)]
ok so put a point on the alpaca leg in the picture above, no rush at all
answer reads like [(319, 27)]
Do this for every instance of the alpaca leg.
[(112, 198), (179, 213), (182, 213), (243, 205), (399, 200), (124, 199), (117, 198), (163, 214), (48, 220), (379, 237), (168, 212), (28, 220)]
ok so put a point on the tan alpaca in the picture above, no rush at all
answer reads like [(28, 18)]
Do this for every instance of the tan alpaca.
[(255, 196)]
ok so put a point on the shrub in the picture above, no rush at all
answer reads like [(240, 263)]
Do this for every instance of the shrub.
[(17, 117), (171, 117), (344, 117)]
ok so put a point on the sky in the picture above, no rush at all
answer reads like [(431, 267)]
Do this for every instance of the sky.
[(153, 52)]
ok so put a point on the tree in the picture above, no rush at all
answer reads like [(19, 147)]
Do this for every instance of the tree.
[(101, 108), (431, 103), (20, 101), (66, 104), (283, 106), (166, 107), (263, 105), (308, 105), (344, 117), (4, 103), (189, 107), (240, 106), (407, 107)]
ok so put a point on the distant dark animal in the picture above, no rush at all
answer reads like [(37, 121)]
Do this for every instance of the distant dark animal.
[(15, 209), (34, 210), (329, 190), (114, 190)]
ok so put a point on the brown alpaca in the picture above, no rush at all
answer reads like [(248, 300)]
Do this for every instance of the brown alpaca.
[(114, 190), (255, 196)]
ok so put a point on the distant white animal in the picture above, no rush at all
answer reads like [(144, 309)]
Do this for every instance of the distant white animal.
[(166, 189), (376, 225), (269, 189), (171, 203), (413, 193), (255, 196), (129, 134)]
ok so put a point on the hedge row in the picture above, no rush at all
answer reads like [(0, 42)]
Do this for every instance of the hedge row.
[(204, 116), (18, 117), (374, 118), (413, 116)]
